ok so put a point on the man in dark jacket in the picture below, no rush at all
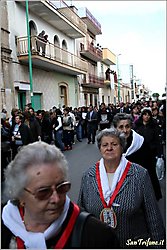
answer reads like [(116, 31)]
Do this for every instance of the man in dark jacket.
[(91, 118)]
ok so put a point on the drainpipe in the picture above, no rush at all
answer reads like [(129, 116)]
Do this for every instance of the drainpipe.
[(119, 87), (29, 55)]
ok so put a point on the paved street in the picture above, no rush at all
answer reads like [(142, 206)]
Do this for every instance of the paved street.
[(82, 157)]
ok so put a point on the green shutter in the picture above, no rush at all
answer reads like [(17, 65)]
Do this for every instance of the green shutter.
[(37, 101)]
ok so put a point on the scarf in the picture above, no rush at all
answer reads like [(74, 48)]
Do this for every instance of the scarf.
[(137, 141), (12, 219), (107, 192)]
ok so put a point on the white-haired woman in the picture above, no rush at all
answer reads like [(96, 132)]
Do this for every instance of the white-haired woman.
[(120, 194), (39, 214)]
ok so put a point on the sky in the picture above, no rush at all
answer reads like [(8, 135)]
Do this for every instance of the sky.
[(137, 31)]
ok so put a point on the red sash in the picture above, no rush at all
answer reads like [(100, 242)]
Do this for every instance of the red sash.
[(64, 237), (119, 184)]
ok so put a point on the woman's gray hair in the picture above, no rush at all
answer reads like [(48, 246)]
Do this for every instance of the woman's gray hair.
[(122, 116), (33, 154), (113, 133)]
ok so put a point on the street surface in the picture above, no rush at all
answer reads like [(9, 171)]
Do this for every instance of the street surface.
[(83, 156)]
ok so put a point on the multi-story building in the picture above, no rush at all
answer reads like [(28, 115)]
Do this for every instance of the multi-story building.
[(107, 93), (126, 83), (69, 69), (5, 57), (89, 49), (54, 73)]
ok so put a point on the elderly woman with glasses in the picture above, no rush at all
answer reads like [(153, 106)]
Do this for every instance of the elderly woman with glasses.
[(120, 193), (39, 214)]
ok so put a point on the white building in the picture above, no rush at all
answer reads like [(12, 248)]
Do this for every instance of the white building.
[(72, 70), (54, 76)]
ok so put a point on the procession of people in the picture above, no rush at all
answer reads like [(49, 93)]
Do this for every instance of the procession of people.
[(118, 197)]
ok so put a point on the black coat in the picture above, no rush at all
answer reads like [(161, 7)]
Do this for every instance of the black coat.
[(93, 122), (144, 157), (26, 135), (35, 128), (150, 132)]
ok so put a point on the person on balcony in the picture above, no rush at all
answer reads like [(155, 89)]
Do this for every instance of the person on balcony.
[(108, 71), (41, 41), (44, 45)]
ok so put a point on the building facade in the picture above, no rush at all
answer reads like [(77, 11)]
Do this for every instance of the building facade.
[(69, 68), (54, 73)]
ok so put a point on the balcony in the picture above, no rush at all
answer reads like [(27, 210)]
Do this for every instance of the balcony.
[(71, 14), (92, 24), (109, 58), (55, 58), (93, 81), (90, 51), (64, 20)]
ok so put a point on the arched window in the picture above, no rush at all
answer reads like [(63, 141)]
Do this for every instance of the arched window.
[(64, 53), (33, 28), (63, 95), (33, 34), (64, 45), (56, 41), (57, 56)]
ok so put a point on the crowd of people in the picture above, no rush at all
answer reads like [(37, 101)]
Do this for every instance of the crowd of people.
[(62, 126), (121, 190)]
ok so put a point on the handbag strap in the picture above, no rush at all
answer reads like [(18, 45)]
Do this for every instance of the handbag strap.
[(78, 229)]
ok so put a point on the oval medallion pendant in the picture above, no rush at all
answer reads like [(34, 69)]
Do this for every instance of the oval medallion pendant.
[(108, 216)]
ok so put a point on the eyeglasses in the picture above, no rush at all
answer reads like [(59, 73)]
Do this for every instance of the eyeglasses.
[(46, 192)]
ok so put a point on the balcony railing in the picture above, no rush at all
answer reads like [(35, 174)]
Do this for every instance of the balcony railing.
[(92, 24), (94, 81), (93, 19), (91, 49), (51, 52)]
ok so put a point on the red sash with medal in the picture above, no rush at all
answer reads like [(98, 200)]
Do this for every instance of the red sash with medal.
[(66, 234), (108, 215)]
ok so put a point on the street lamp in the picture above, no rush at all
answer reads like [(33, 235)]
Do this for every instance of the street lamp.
[(118, 80)]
